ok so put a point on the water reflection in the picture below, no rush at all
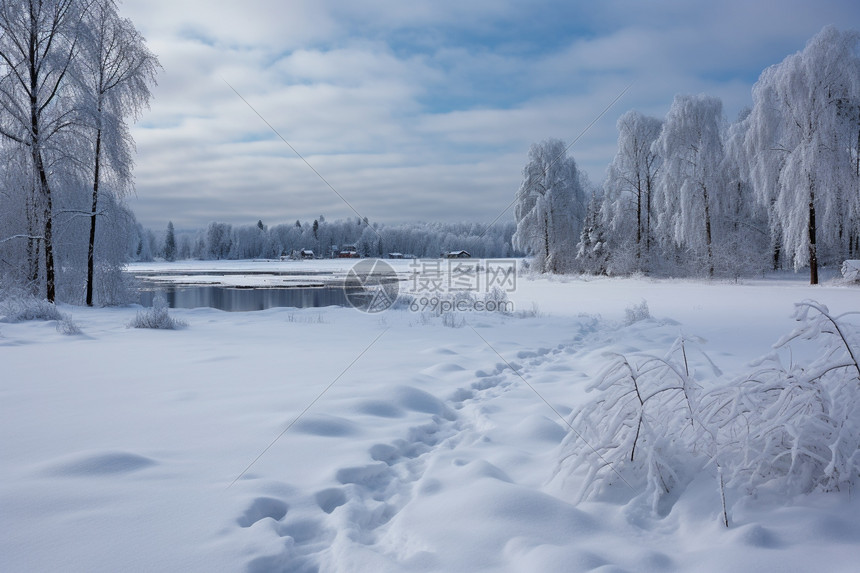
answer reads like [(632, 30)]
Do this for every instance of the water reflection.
[(246, 299)]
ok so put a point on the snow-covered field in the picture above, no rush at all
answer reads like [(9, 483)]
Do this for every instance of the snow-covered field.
[(418, 446)]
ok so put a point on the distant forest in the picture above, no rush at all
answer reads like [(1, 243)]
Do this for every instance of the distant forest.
[(325, 238)]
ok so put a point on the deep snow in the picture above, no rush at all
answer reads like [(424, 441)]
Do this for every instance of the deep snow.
[(425, 451)]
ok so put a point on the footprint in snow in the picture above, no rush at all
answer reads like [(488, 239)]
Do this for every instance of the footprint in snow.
[(372, 476), (100, 464), (420, 401), (384, 453), (380, 409), (330, 499), (262, 508), (326, 426)]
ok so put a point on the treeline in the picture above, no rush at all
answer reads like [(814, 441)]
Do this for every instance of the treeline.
[(325, 238), (691, 194)]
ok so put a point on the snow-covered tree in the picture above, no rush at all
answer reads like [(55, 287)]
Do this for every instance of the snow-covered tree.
[(219, 240), (113, 246), (745, 243), (592, 252), (170, 243), (117, 70), (802, 143), (630, 183), (39, 42), (19, 240), (550, 207), (60, 133), (691, 149), (185, 247), (246, 242), (368, 243)]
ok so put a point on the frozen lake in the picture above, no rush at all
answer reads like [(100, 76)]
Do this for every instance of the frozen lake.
[(245, 285), (233, 299)]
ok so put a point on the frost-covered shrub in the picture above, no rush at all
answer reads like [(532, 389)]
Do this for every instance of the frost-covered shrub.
[(636, 313), (496, 300), (67, 326), (795, 428), (741, 254), (789, 428), (639, 429), (452, 307), (453, 320), (20, 307), (623, 260), (27, 307), (113, 286), (531, 312), (157, 316)]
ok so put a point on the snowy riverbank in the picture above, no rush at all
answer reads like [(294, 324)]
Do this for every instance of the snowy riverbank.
[(418, 447)]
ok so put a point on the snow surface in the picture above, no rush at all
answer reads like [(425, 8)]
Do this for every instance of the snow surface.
[(146, 450)]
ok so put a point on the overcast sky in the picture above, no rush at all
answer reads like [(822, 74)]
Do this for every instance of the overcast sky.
[(421, 111)]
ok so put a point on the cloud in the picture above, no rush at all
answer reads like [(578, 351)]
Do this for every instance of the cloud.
[(420, 110)]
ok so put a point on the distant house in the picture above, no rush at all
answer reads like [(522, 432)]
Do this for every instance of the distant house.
[(306, 254), (395, 255), (457, 255), (348, 252)]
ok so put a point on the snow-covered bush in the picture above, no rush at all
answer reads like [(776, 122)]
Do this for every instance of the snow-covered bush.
[(792, 429), (157, 316), (637, 312), (496, 299), (640, 429), (531, 312), (67, 326), (113, 286), (453, 320), (623, 261), (306, 318), (20, 307), (795, 428), (27, 307)]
